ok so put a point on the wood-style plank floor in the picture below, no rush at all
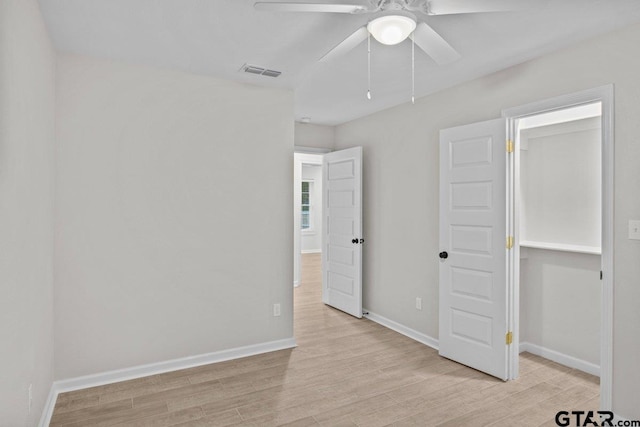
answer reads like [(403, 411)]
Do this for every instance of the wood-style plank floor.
[(344, 372)]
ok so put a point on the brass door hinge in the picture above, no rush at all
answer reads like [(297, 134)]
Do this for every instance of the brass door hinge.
[(509, 146), (509, 338), (509, 242)]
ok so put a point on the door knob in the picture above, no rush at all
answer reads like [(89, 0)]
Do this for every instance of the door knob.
[(354, 240), (444, 255), (361, 240)]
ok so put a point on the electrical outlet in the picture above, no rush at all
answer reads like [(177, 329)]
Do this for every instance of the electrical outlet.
[(418, 303), (634, 229), (276, 310), (30, 396)]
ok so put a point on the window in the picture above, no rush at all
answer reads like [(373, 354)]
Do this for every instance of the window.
[(307, 190)]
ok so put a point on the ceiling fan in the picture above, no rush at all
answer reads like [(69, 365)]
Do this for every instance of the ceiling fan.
[(398, 20)]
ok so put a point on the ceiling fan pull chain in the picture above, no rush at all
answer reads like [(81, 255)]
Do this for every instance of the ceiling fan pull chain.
[(413, 71), (369, 66)]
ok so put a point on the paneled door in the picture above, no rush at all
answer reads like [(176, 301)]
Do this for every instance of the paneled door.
[(473, 245), (342, 230)]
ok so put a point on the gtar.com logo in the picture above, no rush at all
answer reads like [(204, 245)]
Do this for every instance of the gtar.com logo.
[(591, 418), (584, 418)]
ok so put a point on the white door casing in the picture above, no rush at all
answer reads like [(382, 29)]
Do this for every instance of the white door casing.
[(604, 95), (473, 232), (342, 230)]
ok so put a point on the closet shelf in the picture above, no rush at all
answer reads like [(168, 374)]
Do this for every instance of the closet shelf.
[(594, 250)]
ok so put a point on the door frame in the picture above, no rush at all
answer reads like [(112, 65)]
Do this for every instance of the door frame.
[(605, 95)]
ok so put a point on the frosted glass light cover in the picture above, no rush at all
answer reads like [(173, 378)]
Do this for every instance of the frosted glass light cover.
[(391, 29)]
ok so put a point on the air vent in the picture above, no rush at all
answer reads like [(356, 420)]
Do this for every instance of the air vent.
[(259, 70), (253, 70), (271, 73)]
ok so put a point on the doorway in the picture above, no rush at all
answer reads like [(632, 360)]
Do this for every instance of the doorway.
[(328, 209), (307, 210), (560, 211), (593, 103), (480, 236)]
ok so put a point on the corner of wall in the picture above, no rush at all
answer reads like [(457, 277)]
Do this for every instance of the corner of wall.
[(27, 113)]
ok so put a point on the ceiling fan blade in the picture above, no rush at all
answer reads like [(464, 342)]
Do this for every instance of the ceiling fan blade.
[(434, 45), (347, 44), (308, 7), (451, 7)]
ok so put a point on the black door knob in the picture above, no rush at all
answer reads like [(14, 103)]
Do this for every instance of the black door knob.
[(361, 240), (444, 255), (354, 240)]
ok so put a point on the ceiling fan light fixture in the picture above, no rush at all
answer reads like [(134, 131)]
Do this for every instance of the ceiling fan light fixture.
[(391, 29)]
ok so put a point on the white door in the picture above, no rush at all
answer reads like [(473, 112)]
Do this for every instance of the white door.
[(342, 230), (473, 245)]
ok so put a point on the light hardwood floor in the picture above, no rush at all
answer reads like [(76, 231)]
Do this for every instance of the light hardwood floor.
[(344, 372)]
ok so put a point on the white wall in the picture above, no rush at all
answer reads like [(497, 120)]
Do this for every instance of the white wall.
[(560, 300), (401, 185), (27, 134), (312, 239), (167, 246), (560, 177), (314, 136)]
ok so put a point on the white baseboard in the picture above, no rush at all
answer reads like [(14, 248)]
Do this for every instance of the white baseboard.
[(404, 330), (49, 405), (125, 374), (296, 283), (558, 357), (311, 251), (561, 358)]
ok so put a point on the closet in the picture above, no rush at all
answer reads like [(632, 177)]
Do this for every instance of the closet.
[(560, 222)]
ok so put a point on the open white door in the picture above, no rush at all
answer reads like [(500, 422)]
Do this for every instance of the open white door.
[(342, 230), (473, 241)]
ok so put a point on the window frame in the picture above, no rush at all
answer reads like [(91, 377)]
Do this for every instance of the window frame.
[(311, 229)]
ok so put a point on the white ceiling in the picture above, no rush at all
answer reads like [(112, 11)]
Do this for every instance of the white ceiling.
[(216, 37)]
